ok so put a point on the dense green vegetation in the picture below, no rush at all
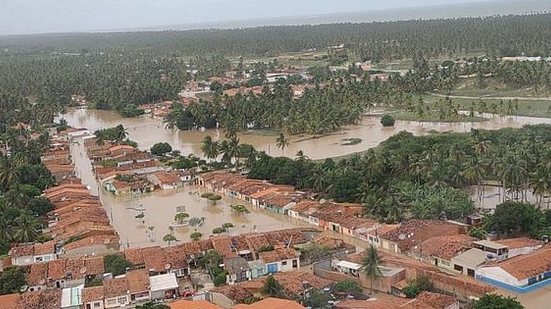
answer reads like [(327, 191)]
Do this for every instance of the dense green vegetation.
[(12, 279), (423, 177), (507, 35), (493, 301), (116, 264)]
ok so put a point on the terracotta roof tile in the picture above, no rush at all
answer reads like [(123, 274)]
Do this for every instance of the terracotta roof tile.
[(435, 300), (528, 265), (138, 280), (92, 294), (278, 255), (38, 274), (56, 269), (22, 250), (520, 242), (44, 299), (444, 247), (115, 287), (94, 265), (413, 232)]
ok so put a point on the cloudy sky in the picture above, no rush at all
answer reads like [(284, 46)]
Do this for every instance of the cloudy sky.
[(40, 16)]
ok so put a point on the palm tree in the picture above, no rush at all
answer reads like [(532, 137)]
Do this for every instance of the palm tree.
[(9, 170), (180, 217), (210, 148), (169, 238), (370, 265), (27, 228), (301, 157), (282, 142), (121, 132)]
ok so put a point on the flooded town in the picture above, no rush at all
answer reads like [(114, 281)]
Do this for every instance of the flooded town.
[(326, 161)]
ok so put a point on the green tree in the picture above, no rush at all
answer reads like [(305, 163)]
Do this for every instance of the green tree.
[(272, 288), (195, 236), (161, 149), (415, 287), (180, 217), (116, 264), (387, 121), (11, 280), (151, 305), (347, 286), (370, 265), (282, 142), (210, 148), (168, 238), (494, 301)]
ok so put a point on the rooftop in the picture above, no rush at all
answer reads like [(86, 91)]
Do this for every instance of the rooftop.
[(444, 247), (163, 282), (138, 280), (528, 265), (92, 294), (197, 304), (413, 232), (278, 255), (520, 242)]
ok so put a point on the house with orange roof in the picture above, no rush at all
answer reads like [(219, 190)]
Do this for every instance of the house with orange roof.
[(28, 254), (193, 304), (520, 245), (280, 260), (166, 180), (92, 297), (413, 232), (521, 274), (440, 250), (304, 209)]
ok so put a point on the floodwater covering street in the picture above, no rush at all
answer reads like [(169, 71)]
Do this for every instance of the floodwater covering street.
[(159, 208), (147, 131)]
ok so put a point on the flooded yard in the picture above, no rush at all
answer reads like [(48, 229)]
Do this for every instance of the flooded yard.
[(160, 207), (148, 131)]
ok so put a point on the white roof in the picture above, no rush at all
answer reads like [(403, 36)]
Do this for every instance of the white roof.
[(349, 265), (471, 257), (163, 282), (490, 244), (71, 297)]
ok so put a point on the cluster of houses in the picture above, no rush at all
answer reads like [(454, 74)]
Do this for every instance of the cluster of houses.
[(124, 169), (518, 264), (78, 224)]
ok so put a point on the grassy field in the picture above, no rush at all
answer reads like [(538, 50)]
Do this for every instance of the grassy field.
[(532, 108), (432, 117)]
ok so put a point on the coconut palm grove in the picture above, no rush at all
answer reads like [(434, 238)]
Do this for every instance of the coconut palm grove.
[(232, 93)]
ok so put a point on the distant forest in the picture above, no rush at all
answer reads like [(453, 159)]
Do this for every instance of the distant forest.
[(121, 70), (500, 36)]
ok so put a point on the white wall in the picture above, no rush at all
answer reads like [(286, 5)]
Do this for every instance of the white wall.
[(498, 274)]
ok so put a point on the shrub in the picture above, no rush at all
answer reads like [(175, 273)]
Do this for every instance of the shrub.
[(387, 121)]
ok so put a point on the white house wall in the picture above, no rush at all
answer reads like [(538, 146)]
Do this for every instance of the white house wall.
[(498, 274)]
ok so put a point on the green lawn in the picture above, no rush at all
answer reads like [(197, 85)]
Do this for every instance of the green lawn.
[(432, 117)]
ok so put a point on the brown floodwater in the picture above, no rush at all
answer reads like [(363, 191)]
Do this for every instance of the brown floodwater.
[(148, 131), (161, 206)]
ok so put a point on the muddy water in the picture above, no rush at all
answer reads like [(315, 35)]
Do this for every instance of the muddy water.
[(148, 131), (161, 206)]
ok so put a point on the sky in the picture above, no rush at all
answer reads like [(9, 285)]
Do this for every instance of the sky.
[(43, 16)]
